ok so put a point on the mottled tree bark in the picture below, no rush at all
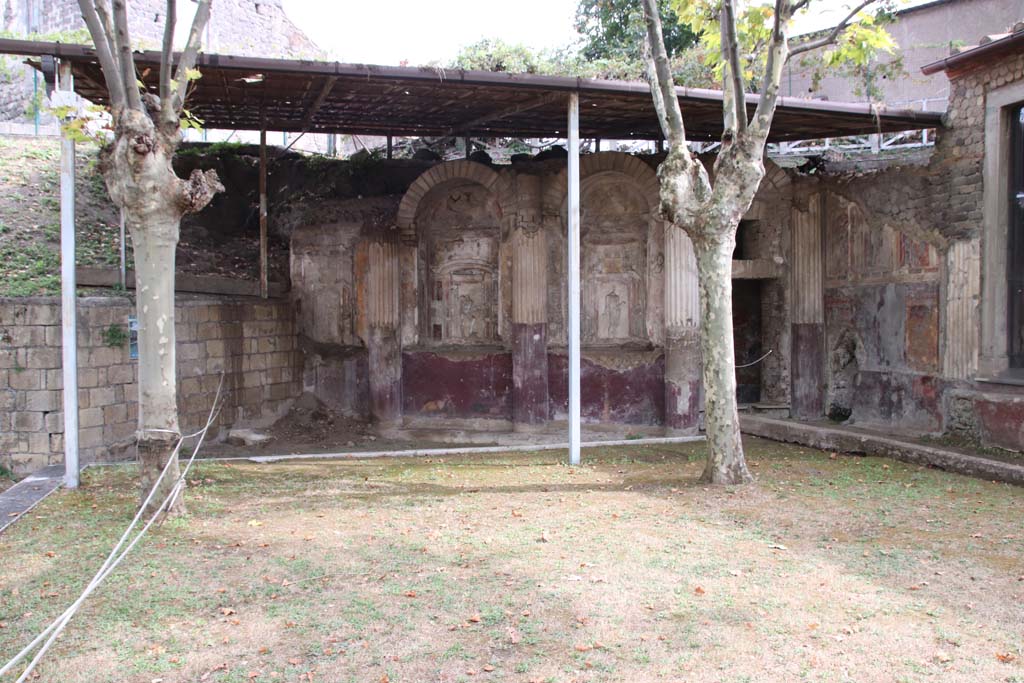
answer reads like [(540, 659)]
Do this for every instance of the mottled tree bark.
[(725, 463), (140, 179), (710, 212), (136, 166)]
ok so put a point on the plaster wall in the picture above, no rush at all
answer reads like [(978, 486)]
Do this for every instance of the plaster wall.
[(482, 295), (923, 35), (915, 276)]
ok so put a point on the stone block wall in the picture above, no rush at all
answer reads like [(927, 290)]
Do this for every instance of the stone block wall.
[(252, 343)]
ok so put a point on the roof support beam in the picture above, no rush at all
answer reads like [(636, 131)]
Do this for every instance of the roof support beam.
[(467, 126), (68, 300), (264, 275), (325, 91), (573, 174)]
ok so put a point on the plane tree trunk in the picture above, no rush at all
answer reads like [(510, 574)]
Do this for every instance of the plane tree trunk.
[(136, 166)]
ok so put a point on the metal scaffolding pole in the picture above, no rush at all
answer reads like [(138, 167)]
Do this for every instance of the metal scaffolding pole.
[(574, 278), (68, 310)]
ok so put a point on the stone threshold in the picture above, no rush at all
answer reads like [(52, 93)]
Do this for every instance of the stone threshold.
[(27, 493), (862, 441)]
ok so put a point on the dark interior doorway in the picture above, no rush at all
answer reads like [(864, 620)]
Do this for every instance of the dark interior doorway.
[(746, 321)]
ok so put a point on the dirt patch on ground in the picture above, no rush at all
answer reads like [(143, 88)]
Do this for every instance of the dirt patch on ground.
[(311, 427), (519, 568)]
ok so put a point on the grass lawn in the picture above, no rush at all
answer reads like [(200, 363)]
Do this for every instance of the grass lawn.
[(519, 568)]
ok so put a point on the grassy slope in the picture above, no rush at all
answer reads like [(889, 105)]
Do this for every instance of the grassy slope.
[(30, 216)]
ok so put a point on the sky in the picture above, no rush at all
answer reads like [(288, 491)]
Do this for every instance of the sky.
[(425, 31)]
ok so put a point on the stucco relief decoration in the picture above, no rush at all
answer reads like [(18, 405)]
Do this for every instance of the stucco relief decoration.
[(461, 237), (614, 262)]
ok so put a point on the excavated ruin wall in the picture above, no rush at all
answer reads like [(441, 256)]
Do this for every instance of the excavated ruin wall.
[(452, 373), (904, 275)]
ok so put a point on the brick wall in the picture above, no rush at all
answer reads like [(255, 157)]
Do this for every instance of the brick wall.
[(253, 343)]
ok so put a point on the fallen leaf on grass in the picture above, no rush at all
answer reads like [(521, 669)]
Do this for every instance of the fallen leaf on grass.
[(410, 594), (474, 619), (698, 591)]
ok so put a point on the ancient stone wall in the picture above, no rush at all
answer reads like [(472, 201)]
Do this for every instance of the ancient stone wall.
[(253, 344), (881, 318), (475, 255), (904, 273)]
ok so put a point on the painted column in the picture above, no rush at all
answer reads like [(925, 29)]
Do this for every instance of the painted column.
[(807, 363), (963, 293), (529, 309), (382, 317), (682, 335)]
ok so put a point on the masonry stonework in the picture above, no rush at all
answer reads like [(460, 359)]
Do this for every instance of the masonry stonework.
[(252, 344)]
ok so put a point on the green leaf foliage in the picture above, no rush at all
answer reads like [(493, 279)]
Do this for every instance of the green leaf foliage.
[(852, 56), (614, 29)]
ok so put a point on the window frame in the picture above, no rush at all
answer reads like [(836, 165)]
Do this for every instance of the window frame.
[(994, 358)]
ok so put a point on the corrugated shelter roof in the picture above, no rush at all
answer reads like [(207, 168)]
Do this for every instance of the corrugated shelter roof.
[(246, 93)]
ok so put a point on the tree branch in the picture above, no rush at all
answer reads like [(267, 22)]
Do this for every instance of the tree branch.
[(108, 63), (659, 73), (167, 53), (778, 48), (731, 50), (833, 34), (123, 45), (188, 56)]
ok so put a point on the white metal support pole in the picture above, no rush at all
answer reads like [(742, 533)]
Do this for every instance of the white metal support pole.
[(69, 322), (574, 278), (123, 275)]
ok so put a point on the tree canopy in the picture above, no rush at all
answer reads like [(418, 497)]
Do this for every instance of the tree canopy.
[(614, 29)]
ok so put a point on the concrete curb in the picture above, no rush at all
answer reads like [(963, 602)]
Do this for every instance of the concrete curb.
[(16, 501), (849, 441), (465, 450)]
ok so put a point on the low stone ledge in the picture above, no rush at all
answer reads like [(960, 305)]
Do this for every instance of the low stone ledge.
[(849, 441)]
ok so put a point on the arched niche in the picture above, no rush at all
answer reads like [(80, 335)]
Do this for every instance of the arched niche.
[(458, 237), (613, 260), (621, 257)]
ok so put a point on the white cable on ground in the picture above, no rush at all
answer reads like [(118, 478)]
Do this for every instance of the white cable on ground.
[(116, 555)]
